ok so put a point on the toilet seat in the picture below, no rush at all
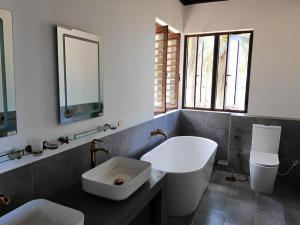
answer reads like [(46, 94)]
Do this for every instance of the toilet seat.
[(264, 159)]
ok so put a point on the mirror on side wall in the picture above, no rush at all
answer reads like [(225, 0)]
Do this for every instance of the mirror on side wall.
[(80, 83), (8, 116)]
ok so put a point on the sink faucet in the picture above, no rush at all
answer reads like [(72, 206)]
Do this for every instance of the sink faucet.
[(4, 199), (159, 132), (94, 149)]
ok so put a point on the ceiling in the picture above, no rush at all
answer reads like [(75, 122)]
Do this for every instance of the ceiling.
[(191, 2)]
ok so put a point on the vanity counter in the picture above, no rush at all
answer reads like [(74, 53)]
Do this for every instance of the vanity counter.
[(100, 211)]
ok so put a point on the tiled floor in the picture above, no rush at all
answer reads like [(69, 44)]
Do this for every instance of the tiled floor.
[(227, 203)]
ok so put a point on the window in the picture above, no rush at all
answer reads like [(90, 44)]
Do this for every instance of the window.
[(217, 71), (166, 81)]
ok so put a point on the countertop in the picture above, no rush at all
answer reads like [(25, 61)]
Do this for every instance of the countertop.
[(100, 211)]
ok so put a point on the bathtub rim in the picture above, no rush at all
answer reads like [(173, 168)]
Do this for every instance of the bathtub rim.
[(184, 172)]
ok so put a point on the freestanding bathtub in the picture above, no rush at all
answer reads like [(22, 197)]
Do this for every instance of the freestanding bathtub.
[(188, 162)]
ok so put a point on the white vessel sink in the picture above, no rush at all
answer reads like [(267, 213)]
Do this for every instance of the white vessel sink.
[(43, 212), (130, 173)]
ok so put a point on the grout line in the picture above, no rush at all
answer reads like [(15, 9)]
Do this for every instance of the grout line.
[(32, 180), (228, 144)]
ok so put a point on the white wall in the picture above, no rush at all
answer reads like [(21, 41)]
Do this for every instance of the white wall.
[(127, 30), (275, 76)]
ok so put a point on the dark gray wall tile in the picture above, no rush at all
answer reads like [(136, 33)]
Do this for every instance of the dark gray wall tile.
[(169, 123), (48, 176), (215, 120), (55, 173), (239, 162), (139, 137), (117, 143), (212, 125), (18, 186), (289, 149), (242, 143)]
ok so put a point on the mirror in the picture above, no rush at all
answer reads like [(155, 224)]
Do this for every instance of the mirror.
[(80, 83), (8, 117)]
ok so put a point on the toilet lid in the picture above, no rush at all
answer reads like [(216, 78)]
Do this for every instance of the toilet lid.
[(264, 159)]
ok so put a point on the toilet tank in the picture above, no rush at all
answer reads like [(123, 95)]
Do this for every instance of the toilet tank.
[(265, 138)]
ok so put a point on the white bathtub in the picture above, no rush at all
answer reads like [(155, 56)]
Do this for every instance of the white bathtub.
[(188, 162)]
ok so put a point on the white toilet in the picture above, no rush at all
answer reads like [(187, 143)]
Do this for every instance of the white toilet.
[(264, 161)]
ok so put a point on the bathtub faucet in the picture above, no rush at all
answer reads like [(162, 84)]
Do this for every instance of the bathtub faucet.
[(159, 132)]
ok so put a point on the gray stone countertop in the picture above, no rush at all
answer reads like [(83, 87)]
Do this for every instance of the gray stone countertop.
[(100, 211)]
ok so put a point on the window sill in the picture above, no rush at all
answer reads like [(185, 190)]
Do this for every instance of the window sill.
[(213, 111), (166, 113)]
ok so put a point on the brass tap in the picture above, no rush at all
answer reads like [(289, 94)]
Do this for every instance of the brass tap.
[(4, 199), (159, 132), (94, 149)]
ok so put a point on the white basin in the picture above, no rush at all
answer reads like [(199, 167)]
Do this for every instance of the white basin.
[(43, 212), (100, 180)]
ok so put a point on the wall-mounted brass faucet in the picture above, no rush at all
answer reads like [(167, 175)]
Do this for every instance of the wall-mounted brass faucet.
[(4, 199), (159, 132), (94, 149)]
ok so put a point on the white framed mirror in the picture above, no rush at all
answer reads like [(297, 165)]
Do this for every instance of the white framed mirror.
[(80, 81), (8, 114)]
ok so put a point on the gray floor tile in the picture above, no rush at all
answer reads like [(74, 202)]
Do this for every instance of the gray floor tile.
[(218, 177), (185, 220), (291, 208), (215, 198), (207, 217), (239, 212), (234, 203), (270, 206), (243, 194), (172, 221), (262, 219), (292, 217), (291, 204)]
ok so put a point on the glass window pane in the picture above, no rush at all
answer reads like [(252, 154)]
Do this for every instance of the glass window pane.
[(232, 65), (221, 74), (191, 70), (204, 71), (241, 84), (231, 73), (237, 71)]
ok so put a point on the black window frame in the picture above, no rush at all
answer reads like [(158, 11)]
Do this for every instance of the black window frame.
[(215, 70)]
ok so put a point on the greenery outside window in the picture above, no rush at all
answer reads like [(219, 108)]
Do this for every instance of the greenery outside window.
[(217, 71)]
